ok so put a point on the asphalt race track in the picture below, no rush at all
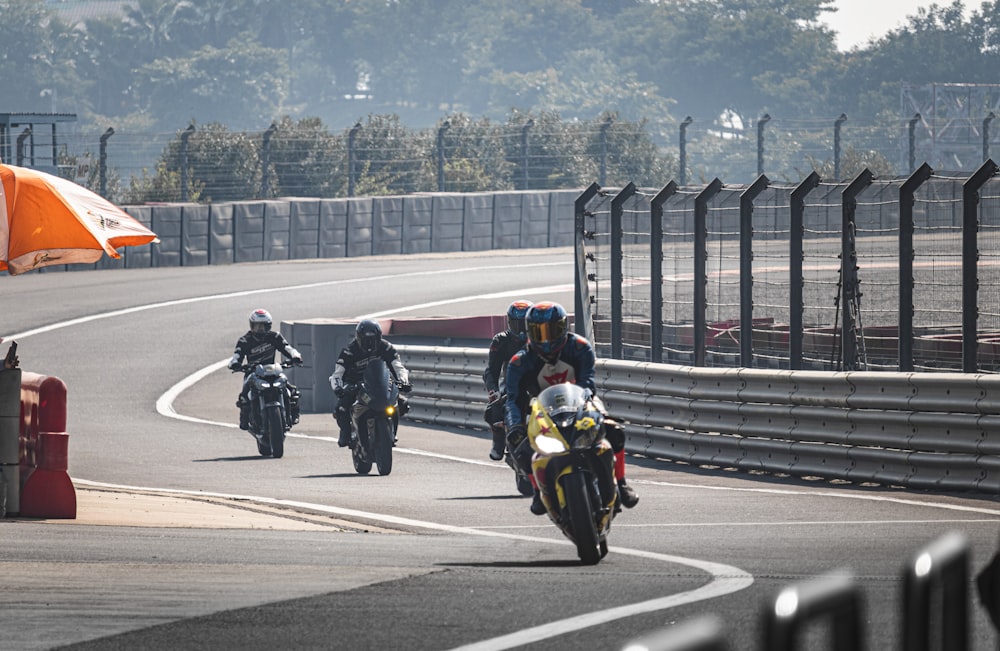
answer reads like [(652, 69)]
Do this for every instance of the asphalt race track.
[(442, 553)]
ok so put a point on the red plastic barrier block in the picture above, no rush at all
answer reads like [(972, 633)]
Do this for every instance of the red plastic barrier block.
[(48, 491)]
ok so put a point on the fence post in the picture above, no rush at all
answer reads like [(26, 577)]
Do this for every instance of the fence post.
[(582, 323), (912, 140), (682, 160), (265, 161), (850, 292), (942, 569), (764, 119), (656, 271), (440, 153), (103, 162), (351, 173), (616, 268), (796, 221), (906, 200), (524, 152), (836, 145), (746, 268), (986, 134), (603, 178), (20, 146), (700, 262), (970, 263), (184, 161)]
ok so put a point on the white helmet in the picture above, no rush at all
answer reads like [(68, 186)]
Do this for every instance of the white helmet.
[(260, 322)]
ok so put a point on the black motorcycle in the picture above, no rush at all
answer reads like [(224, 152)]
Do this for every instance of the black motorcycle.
[(374, 420), (273, 404)]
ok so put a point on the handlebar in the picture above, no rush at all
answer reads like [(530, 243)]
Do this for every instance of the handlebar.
[(249, 368)]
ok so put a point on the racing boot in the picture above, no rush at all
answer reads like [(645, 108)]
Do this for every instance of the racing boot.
[(244, 413), (499, 443), (626, 494), (345, 438), (537, 507)]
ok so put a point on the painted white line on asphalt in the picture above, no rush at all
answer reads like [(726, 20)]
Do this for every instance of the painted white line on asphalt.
[(725, 579)]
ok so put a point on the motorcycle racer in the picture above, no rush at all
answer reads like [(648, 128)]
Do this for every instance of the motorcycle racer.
[(366, 348), (502, 348), (259, 346), (553, 356)]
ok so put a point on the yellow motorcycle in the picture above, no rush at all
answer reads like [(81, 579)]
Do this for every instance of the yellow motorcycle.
[(573, 466)]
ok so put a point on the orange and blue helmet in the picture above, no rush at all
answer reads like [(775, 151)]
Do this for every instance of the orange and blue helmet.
[(547, 328), (516, 312)]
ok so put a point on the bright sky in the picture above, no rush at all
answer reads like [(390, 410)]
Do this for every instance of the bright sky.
[(857, 20)]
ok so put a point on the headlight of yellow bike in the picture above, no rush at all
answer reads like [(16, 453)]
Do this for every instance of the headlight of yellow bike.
[(548, 444)]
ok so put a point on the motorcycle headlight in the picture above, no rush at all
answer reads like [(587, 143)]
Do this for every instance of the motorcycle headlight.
[(548, 444), (265, 385)]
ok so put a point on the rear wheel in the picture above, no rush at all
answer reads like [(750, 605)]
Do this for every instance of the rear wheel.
[(582, 518), (275, 431), (383, 445)]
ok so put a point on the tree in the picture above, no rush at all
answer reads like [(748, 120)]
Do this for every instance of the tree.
[(307, 160), (243, 85)]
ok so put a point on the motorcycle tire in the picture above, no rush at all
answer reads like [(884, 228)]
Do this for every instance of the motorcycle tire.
[(581, 518), (275, 431), (383, 446), (524, 485), (361, 464), (263, 449)]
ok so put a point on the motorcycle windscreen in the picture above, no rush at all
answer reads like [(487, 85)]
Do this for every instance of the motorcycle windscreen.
[(382, 391)]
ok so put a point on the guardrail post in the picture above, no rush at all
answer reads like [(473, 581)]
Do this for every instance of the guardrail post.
[(656, 271), (906, 253), (832, 596), (746, 268), (617, 280), (700, 261), (941, 569), (797, 209), (970, 263)]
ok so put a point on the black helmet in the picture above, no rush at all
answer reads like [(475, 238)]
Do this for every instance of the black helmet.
[(260, 322), (368, 334), (547, 329), (516, 312)]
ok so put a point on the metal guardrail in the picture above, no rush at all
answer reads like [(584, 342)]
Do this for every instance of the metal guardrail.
[(925, 431)]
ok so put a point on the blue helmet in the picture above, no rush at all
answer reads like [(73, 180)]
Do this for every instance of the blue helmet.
[(516, 312), (547, 329)]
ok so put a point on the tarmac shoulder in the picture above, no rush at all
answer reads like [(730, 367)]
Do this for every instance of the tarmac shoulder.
[(132, 508)]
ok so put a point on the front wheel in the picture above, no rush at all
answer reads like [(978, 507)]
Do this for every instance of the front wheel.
[(362, 465), (383, 445), (524, 486), (581, 518), (275, 431)]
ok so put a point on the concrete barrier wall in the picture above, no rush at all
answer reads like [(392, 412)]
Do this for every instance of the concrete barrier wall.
[(299, 229)]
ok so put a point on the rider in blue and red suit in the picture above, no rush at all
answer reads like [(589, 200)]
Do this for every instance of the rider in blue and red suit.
[(553, 356)]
